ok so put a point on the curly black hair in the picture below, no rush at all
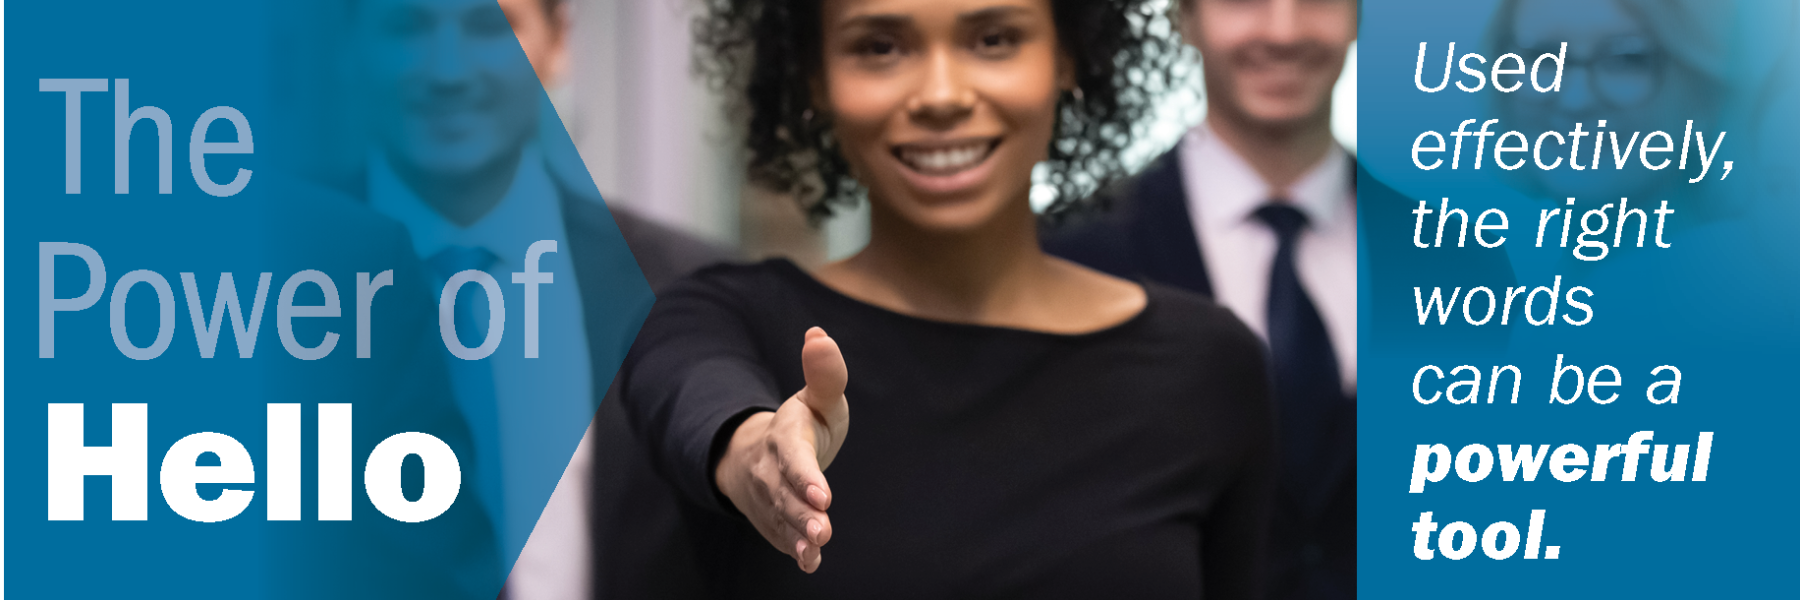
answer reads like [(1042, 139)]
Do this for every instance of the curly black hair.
[(765, 53)]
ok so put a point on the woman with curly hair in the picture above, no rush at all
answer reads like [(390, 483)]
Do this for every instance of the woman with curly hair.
[(1026, 427)]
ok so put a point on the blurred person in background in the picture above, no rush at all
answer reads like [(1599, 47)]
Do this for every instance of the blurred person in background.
[(1256, 208), (1638, 65), (1029, 427), (1634, 67), (454, 112), (1642, 66), (633, 514), (664, 254)]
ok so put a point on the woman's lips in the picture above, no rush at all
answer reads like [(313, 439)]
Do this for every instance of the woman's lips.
[(946, 168)]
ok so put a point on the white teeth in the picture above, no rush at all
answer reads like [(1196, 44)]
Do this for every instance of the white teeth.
[(945, 160)]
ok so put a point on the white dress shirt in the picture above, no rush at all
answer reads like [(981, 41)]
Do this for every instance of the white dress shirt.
[(1223, 193), (529, 391)]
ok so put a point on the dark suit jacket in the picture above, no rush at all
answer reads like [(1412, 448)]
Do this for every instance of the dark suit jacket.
[(403, 386), (636, 523), (1142, 231), (638, 547)]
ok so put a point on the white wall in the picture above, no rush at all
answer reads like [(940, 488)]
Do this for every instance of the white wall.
[(652, 135)]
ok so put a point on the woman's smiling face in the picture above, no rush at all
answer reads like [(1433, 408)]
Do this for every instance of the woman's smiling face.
[(942, 107)]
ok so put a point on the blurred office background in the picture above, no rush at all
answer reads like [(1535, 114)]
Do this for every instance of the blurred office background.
[(656, 138), (653, 135)]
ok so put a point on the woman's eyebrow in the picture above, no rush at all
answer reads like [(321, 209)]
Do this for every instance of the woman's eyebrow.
[(876, 21), (991, 14), (896, 21)]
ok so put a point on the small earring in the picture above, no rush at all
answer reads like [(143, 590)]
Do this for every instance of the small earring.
[(1077, 94), (807, 116)]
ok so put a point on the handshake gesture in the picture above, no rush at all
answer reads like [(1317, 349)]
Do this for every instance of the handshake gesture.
[(773, 471)]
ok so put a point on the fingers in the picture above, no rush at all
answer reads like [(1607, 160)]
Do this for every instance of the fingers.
[(802, 476), (826, 375), (798, 543), (808, 556), (771, 474), (802, 520), (791, 543), (795, 495), (818, 529), (787, 522), (807, 523), (794, 526)]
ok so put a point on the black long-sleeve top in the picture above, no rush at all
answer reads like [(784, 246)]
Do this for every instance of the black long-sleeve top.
[(1133, 461)]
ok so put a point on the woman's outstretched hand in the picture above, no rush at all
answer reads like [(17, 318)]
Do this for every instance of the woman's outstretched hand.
[(774, 469)]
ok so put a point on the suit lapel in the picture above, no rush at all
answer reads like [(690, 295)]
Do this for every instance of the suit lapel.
[(1166, 246)]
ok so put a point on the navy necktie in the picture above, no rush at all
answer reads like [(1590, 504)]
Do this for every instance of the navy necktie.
[(473, 380), (456, 259), (1307, 384)]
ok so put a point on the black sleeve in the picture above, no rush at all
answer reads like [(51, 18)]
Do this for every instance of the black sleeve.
[(1235, 531), (693, 370)]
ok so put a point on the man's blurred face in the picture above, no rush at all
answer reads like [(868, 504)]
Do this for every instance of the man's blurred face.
[(451, 94), (1271, 63)]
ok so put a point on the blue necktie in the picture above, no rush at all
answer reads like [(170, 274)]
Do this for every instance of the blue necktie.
[(1307, 383), (473, 380)]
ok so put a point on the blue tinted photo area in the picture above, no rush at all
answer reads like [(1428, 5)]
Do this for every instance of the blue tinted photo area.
[(305, 311), (1575, 301)]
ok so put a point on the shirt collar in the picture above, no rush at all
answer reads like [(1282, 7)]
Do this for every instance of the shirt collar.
[(527, 213), (1232, 190)]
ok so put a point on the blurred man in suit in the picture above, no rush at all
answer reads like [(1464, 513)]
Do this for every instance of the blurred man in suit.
[(465, 157), (638, 547), (632, 530), (1256, 207), (400, 385)]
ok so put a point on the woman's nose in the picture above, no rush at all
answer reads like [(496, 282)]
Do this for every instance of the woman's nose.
[(944, 97)]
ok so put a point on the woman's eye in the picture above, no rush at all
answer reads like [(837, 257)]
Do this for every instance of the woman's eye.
[(996, 42), (877, 48)]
